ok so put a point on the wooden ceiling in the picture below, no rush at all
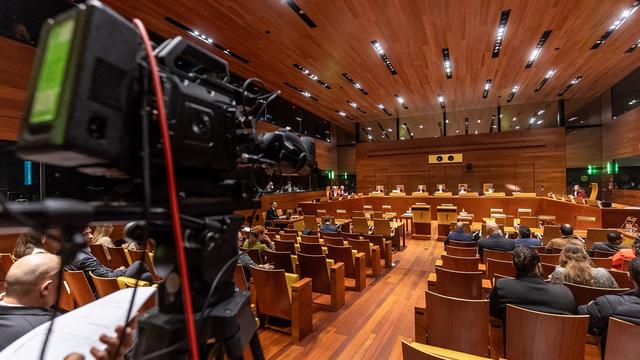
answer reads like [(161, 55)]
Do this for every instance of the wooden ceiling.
[(272, 37)]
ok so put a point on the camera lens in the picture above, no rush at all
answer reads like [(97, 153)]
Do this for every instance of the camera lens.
[(200, 124)]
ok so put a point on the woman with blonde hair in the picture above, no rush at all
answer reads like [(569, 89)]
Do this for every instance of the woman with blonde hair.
[(102, 236), (575, 268)]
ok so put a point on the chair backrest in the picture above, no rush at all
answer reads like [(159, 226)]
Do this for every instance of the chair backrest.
[(378, 214), (272, 229), (602, 262), (104, 286), (362, 246), (343, 254), (280, 260), (563, 337), (99, 252), (65, 302), (310, 248), (530, 221), (79, 286), (596, 235), (625, 264), (376, 240), (462, 251), (347, 236), (622, 340), (498, 255), (550, 232), (539, 249), (341, 213), (457, 263), (271, 234), (310, 239), (382, 227), (505, 268), (310, 222), (444, 311), (584, 294), (118, 257), (360, 225), (5, 263), (272, 295), (602, 254), (134, 255), (335, 241), (254, 254), (524, 212), (459, 284), (321, 212), (285, 245), (290, 231), (290, 237), (357, 213), (550, 258), (621, 278), (496, 211), (324, 234), (471, 244), (239, 278), (315, 267), (547, 269)]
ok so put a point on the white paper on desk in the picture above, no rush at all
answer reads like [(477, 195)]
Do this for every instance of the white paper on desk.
[(78, 330)]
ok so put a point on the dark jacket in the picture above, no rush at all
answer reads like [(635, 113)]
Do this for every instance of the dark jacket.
[(605, 246), (458, 235), (15, 321), (85, 261), (528, 242), (532, 293), (271, 215), (495, 242), (329, 228)]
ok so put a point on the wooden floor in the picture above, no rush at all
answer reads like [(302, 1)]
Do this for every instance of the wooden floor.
[(372, 322)]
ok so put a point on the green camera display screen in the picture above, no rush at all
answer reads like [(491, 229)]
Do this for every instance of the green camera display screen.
[(46, 100)]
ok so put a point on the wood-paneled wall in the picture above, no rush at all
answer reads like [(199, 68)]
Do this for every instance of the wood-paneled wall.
[(620, 136), (529, 159), (347, 159), (15, 69), (584, 147)]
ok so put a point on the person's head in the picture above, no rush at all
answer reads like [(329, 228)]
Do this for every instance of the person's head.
[(576, 187), (524, 232), (26, 243), (577, 269), (614, 237), (33, 281), (102, 230), (492, 228), (326, 219), (88, 235), (566, 229), (274, 205), (634, 271), (526, 261), (573, 253), (460, 226), (636, 245)]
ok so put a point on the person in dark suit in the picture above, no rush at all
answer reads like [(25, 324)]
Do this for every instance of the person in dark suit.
[(327, 226), (495, 240), (459, 234), (613, 244), (272, 214), (525, 239), (529, 290), (625, 306)]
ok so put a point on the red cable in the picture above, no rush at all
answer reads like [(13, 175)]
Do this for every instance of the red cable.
[(173, 193)]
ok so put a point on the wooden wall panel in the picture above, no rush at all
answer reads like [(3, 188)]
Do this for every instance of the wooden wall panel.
[(620, 136), (15, 70), (346, 159), (539, 155), (584, 147)]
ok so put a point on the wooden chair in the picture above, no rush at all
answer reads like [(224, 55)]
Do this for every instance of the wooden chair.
[(145, 257), (341, 213), (601, 262), (284, 297), (540, 249), (357, 213), (621, 278), (468, 244), (255, 255), (496, 211), (354, 265), (383, 227), (547, 269), (497, 255), (326, 277), (273, 230), (346, 236), (550, 232), (371, 252), (335, 241), (99, 252), (280, 260), (118, 257), (505, 268), (443, 312), (79, 286), (556, 250), (622, 340), (596, 235), (625, 264), (321, 212), (290, 231), (310, 222), (310, 248), (524, 212), (459, 284), (310, 239), (584, 294), (418, 351), (563, 337), (530, 221), (359, 225), (239, 278), (285, 245), (271, 234), (65, 300), (550, 258), (324, 234), (289, 237), (602, 253), (104, 286), (384, 245), (461, 251), (457, 263)]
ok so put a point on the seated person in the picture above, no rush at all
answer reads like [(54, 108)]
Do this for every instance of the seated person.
[(459, 234), (613, 244), (495, 240), (578, 192), (327, 226), (490, 189), (28, 243), (440, 188), (525, 239), (258, 240), (422, 189), (528, 289), (567, 238), (625, 254), (85, 261), (625, 306), (575, 268)]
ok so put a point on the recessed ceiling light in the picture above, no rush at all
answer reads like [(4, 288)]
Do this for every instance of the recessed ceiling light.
[(355, 106), (421, 126), (476, 132), (457, 131), (514, 90), (502, 28), (302, 92), (514, 119), (573, 118), (616, 24), (369, 128), (536, 52), (354, 83), (378, 48), (517, 127), (441, 100), (447, 63), (570, 85), (546, 78), (532, 120), (633, 102), (301, 14), (479, 121), (400, 100), (390, 130), (485, 90), (311, 75), (541, 111), (633, 47), (540, 122), (344, 114)]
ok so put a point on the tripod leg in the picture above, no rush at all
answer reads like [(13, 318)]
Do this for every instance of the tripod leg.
[(256, 348)]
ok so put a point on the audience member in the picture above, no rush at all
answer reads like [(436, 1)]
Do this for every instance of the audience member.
[(613, 244), (567, 238), (495, 240), (327, 226), (459, 234), (525, 239), (625, 306), (575, 268), (528, 289), (102, 235), (258, 239), (578, 192), (625, 254), (28, 243), (272, 214)]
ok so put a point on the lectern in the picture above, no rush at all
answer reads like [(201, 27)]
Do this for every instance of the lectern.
[(421, 221), (447, 213)]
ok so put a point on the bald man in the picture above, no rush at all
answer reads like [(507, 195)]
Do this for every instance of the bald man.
[(495, 240), (31, 286)]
